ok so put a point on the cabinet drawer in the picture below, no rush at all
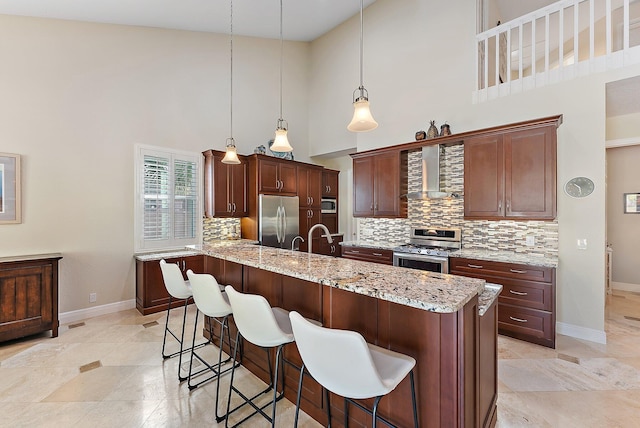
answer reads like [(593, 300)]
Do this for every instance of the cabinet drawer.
[(534, 325), (527, 294), (368, 254), (503, 270)]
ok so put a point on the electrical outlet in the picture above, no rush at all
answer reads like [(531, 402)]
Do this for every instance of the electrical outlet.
[(582, 244), (93, 297), (530, 241)]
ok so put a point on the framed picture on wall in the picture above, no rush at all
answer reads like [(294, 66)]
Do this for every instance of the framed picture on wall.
[(632, 203), (10, 211)]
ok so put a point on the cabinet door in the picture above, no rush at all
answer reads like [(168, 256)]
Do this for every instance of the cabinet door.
[(386, 202), (307, 218), (268, 179), (363, 187), (314, 186), (331, 221), (221, 188), (530, 173), (238, 189), (330, 183), (288, 175), (483, 177)]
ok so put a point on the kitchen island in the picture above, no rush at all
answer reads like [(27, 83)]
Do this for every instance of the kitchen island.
[(434, 318)]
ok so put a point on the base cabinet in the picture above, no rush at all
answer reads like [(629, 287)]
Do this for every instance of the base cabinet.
[(151, 294), (367, 254), (526, 306), (28, 296)]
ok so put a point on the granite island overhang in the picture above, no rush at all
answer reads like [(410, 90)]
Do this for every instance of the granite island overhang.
[(447, 323)]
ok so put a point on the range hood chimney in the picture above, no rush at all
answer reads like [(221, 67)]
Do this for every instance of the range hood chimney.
[(430, 175)]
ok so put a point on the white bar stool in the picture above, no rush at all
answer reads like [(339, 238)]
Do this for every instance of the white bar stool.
[(178, 289), (369, 371), (266, 327), (210, 300)]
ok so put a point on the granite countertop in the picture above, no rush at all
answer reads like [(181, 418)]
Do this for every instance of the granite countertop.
[(376, 245), (507, 257), (420, 289), (189, 251), (488, 296)]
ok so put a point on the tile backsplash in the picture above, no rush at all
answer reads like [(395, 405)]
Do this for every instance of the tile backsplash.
[(219, 228), (505, 235)]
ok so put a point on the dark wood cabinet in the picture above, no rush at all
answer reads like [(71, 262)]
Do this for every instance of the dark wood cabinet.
[(151, 294), (511, 175), (309, 186), (28, 296), (526, 306), (333, 249), (277, 176), (365, 254), (307, 218), (379, 183), (330, 183), (225, 186), (331, 221)]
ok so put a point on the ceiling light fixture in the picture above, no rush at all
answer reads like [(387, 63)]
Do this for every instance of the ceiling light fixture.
[(231, 155), (281, 142), (362, 119)]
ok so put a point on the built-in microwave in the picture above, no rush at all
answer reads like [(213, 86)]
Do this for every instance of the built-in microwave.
[(329, 205)]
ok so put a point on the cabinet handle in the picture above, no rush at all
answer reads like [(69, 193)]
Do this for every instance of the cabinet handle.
[(518, 293), (183, 265), (311, 199), (281, 184), (234, 207), (328, 189), (371, 209), (229, 207), (475, 266), (508, 205), (333, 249), (518, 271), (500, 205), (355, 251), (376, 206), (377, 254), (517, 319)]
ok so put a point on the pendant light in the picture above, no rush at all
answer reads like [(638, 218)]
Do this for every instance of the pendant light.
[(231, 155), (281, 142), (362, 119)]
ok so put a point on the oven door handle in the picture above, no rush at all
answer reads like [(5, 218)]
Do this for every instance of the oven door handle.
[(442, 261)]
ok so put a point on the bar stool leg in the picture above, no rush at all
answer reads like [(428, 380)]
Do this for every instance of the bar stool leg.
[(298, 396), (166, 327), (413, 397), (346, 413), (326, 394), (375, 411)]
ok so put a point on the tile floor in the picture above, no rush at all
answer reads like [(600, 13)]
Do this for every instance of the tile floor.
[(107, 372)]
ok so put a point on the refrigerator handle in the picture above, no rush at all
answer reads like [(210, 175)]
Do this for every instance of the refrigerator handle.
[(284, 224), (278, 217)]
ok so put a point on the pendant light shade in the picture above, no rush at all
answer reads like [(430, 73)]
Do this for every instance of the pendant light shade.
[(231, 155), (362, 119), (281, 142)]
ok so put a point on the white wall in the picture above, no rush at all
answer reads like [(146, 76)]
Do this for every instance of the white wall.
[(76, 98), (419, 65)]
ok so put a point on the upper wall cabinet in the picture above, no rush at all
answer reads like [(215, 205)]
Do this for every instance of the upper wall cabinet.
[(330, 183), (309, 185), (225, 186), (277, 176), (511, 175), (379, 181)]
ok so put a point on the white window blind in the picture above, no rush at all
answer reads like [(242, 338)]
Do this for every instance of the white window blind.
[(167, 207)]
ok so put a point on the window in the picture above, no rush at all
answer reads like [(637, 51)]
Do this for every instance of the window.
[(167, 199)]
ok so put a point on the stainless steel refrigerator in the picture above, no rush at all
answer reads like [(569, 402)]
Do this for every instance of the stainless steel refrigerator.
[(278, 220)]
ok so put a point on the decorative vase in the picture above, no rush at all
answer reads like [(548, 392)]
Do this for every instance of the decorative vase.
[(421, 135), (432, 131), (445, 130)]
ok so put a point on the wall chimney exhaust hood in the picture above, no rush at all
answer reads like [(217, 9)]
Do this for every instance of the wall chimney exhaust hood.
[(431, 176)]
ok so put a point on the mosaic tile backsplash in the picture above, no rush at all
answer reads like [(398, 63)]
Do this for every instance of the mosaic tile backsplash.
[(503, 235), (219, 228)]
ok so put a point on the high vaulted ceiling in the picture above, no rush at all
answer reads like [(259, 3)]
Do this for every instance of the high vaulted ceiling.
[(303, 20)]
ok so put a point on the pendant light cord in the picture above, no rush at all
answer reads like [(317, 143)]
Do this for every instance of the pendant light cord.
[(231, 73), (281, 55), (361, 45)]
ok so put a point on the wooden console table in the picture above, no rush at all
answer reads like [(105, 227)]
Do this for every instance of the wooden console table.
[(28, 295)]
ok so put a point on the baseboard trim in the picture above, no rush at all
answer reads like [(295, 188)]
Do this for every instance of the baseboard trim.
[(109, 308), (590, 334), (623, 286)]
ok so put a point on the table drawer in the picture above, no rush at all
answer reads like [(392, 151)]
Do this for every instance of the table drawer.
[(501, 269), (534, 325)]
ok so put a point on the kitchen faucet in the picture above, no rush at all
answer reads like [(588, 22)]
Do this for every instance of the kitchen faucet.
[(326, 233), (293, 242)]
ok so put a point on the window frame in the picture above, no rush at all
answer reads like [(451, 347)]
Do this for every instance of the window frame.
[(145, 245)]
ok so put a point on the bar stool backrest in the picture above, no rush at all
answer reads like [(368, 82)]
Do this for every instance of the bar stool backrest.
[(207, 295), (255, 319), (339, 360), (174, 281)]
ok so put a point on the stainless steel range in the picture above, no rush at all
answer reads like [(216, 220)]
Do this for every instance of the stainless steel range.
[(428, 249)]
